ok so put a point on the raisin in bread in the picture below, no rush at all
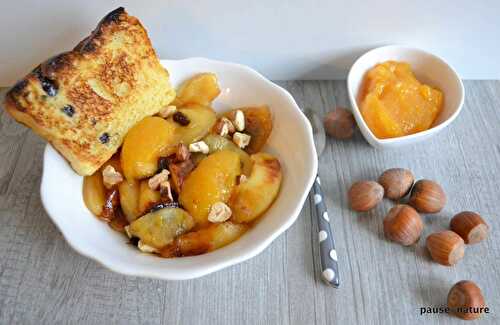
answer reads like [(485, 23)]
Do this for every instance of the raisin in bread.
[(84, 101)]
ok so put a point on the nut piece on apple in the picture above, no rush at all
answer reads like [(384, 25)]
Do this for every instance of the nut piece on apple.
[(258, 124), (210, 182), (253, 197), (201, 89)]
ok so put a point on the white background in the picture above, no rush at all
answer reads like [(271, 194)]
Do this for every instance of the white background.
[(300, 39)]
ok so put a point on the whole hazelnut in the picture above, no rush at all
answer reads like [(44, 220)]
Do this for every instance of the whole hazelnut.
[(396, 182), (365, 195), (340, 123), (403, 225), (446, 247), (466, 300), (427, 196), (470, 226)]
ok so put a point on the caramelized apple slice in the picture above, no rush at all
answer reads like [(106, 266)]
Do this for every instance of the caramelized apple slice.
[(201, 89), (94, 193), (253, 197), (212, 181), (147, 197), (218, 143), (158, 229), (258, 124), (201, 120), (204, 240), (144, 144), (129, 199)]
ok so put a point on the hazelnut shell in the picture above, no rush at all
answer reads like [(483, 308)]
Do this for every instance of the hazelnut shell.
[(397, 182), (340, 123), (365, 195), (403, 225), (463, 295), (446, 247), (427, 196), (470, 226)]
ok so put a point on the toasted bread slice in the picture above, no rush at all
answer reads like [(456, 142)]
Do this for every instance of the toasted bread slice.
[(84, 101)]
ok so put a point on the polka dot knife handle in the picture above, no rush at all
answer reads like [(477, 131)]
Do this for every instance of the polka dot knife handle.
[(328, 254)]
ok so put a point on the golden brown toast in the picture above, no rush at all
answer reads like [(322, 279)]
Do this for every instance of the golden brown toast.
[(84, 101)]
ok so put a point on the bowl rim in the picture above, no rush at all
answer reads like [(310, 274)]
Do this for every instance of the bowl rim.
[(128, 269), (414, 136)]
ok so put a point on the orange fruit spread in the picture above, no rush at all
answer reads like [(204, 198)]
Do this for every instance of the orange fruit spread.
[(394, 103)]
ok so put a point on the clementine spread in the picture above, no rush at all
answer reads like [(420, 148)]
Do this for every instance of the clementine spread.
[(394, 103)]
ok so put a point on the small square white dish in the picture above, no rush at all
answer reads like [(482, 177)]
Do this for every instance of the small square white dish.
[(291, 140), (429, 69)]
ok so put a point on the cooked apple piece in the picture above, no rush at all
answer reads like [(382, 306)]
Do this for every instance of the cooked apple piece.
[(212, 181), (147, 197), (201, 89), (158, 229), (258, 124), (204, 240), (144, 144), (201, 120), (94, 193), (129, 198), (253, 197), (217, 143)]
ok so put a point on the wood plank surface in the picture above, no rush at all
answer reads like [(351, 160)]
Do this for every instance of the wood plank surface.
[(43, 281)]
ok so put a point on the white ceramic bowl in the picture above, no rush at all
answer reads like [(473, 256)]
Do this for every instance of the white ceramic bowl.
[(429, 69), (291, 140)]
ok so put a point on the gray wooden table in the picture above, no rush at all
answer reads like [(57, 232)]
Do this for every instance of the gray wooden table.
[(42, 280)]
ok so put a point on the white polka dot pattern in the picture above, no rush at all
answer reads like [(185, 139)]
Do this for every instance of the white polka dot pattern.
[(333, 254), (325, 216), (322, 235), (328, 275), (317, 198), (318, 181)]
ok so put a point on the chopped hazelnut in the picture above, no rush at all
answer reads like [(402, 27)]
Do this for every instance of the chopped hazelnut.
[(241, 139), (168, 111), (224, 127), (165, 191), (239, 120), (219, 212), (199, 146), (155, 181), (127, 231), (182, 153), (145, 248), (242, 179), (111, 177)]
